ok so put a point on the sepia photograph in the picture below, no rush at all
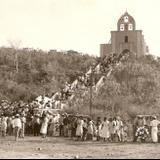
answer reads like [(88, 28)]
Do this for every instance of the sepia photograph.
[(79, 79)]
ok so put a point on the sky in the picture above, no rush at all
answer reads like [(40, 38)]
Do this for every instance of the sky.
[(80, 25)]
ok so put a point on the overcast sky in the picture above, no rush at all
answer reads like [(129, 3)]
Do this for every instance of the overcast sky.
[(81, 25)]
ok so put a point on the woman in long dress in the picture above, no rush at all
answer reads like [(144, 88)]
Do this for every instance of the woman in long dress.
[(79, 130), (105, 129), (154, 129), (90, 130), (44, 126)]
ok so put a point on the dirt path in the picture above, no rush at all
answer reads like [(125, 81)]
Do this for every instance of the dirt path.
[(50, 148)]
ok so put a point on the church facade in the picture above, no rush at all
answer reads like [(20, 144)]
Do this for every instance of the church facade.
[(125, 38)]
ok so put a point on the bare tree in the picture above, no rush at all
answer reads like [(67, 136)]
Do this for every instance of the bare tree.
[(15, 44)]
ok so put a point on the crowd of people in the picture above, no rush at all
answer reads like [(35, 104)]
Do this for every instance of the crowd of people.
[(20, 118), (81, 128)]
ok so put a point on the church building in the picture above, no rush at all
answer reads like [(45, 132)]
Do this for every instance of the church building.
[(125, 38)]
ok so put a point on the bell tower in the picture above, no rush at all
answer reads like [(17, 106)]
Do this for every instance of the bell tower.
[(126, 37), (126, 23)]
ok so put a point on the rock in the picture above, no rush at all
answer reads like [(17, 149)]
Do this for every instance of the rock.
[(39, 149)]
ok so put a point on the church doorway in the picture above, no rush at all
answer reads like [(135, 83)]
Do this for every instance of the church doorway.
[(125, 51)]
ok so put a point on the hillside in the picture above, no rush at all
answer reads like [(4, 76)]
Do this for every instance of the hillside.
[(132, 88), (36, 72)]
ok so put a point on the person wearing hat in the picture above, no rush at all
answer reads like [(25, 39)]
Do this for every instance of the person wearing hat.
[(17, 125), (154, 129)]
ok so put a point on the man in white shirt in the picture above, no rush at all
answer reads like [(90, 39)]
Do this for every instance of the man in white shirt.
[(17, 125)]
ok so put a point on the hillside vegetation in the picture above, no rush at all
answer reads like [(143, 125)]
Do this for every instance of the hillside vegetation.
[(133, 87), (26, 74)]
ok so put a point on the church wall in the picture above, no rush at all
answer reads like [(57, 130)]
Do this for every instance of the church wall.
[(118, 41), (105, 49), (135, 41)]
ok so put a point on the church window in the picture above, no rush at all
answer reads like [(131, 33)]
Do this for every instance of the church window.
[(126, 39), (130, 27), (122, 27), (126, 19)]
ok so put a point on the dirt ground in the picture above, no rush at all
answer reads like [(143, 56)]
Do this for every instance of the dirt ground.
[(50, 148)]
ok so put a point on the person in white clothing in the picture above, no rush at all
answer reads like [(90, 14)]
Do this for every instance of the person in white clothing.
[(119, 129), (105, 134), (44, 127), (17, 125), (79, 130), (154, 129)]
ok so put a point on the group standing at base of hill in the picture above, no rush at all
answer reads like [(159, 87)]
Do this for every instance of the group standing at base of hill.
[(81, 128)]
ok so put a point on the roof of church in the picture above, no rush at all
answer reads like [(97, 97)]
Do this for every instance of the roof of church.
[(126, 18), (126, 14)]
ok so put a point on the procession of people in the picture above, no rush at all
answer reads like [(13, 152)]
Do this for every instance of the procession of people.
[(81, 127)]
